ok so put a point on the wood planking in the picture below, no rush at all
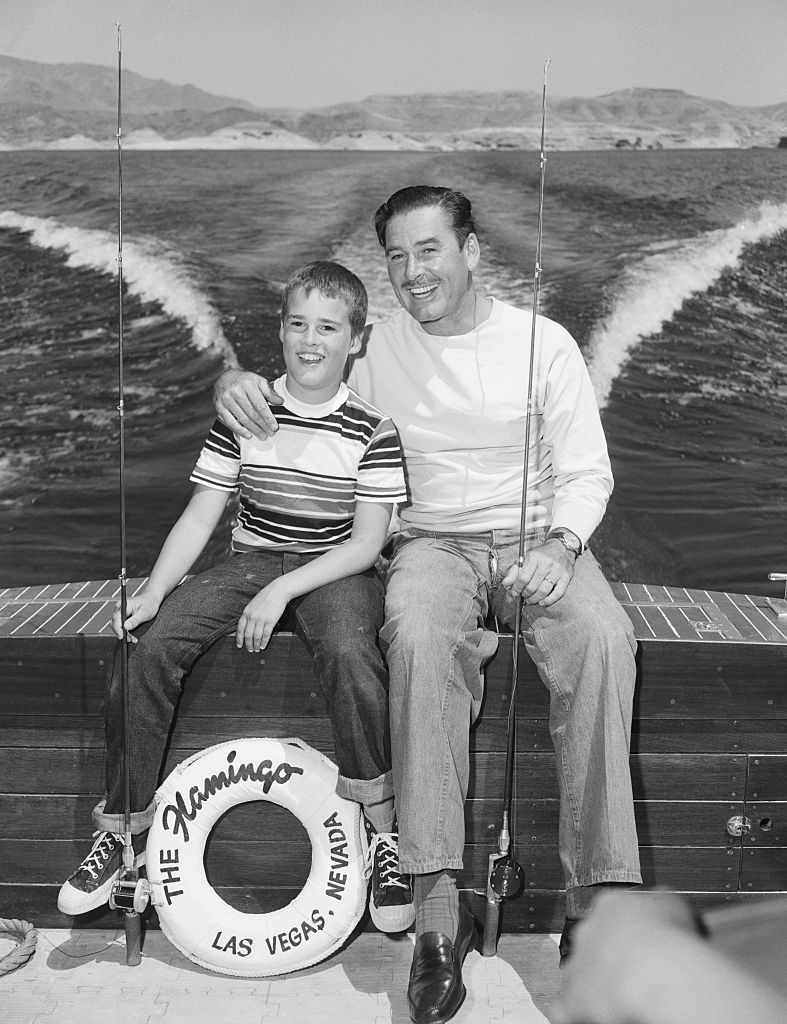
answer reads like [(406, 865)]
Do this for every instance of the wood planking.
[(61, 609), (657, 612), (708, 744), (662, 823)]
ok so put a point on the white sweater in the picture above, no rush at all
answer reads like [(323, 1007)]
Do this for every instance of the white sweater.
[(459, 405)]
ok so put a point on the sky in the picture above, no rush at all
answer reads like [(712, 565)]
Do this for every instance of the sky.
[(315, 53)]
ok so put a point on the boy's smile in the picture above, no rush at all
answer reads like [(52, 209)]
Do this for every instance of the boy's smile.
[(316, 337)]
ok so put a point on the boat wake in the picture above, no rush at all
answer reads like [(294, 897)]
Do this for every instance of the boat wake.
[(151, 271), (655, 286)]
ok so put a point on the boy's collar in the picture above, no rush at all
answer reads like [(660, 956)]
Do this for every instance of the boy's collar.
[(307, 408)]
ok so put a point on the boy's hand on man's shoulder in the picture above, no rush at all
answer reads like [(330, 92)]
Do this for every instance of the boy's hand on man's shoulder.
[(242, 401)]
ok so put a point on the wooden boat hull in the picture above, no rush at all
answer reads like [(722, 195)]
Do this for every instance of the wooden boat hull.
[(708, 751)]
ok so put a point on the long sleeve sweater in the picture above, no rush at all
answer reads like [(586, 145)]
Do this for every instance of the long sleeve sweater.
[(459, 405)]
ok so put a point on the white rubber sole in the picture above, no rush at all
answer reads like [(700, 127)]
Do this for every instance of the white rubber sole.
[(73, 901), (392, 919)]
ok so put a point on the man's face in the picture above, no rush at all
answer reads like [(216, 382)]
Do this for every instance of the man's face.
[(431, 275)]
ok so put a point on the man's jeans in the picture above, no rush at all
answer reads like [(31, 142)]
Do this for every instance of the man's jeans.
[(339, 624), (439, 590)]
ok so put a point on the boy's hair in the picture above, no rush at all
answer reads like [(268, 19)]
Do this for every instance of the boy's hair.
[(455, 205), (334, 281)]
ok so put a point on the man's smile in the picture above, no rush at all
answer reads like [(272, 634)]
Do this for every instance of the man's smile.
[(422, 291)]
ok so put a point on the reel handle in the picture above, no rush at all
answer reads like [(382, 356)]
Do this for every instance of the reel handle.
[(492, 910), (131, 894)]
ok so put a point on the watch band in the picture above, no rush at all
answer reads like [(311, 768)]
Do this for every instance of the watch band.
[(568, 539)]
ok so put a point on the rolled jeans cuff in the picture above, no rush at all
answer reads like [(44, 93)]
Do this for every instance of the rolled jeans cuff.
[(140, 820), (366, 791)]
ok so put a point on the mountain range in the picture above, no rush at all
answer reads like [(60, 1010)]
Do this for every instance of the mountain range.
[(74, 106)]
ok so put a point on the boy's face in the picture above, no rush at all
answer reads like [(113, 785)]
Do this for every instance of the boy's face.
[(317, 339)]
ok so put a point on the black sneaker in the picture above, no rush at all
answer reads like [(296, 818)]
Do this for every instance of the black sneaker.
[(91, 883), (391, 904)]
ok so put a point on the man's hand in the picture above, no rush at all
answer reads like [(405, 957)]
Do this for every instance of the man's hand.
[(545, 575), (141, 608), (242, 400), (260, 616)]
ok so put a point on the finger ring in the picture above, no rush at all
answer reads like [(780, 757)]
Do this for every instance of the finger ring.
[(548, 580)]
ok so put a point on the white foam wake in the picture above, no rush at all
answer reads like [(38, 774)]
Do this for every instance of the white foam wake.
[(655, 287), (151, 271)]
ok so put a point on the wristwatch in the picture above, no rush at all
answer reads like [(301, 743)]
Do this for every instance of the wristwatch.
[(568, 539)]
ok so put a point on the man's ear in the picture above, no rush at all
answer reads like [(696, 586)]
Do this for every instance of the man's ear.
[(472, 251)]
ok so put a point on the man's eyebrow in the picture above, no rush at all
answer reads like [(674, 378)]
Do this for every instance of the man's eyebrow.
[(421, 241)]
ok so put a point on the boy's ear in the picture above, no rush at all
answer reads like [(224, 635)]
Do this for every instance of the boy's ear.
[(355, 345), (281, 333)]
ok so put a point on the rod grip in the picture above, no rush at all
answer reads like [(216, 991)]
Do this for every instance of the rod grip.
[(491, 925), (132, 924)]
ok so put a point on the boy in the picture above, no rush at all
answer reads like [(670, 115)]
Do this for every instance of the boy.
[(315, 504)]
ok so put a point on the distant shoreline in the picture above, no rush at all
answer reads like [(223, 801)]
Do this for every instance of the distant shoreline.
[(389, 142), (54, 107)]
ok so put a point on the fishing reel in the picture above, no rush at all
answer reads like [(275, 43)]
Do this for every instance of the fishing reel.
[(130, 893), (505, 879)]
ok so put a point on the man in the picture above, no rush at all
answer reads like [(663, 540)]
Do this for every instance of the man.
[(450, 369)]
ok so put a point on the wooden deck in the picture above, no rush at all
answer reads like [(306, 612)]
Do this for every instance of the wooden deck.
[(708, 748), (656, 612)]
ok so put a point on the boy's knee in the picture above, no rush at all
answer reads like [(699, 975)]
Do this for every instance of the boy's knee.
[(349, 664)]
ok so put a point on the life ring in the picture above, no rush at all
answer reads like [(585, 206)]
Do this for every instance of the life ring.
[(195, 918)]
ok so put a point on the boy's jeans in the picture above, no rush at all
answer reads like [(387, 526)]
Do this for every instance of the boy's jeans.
[(439, 590), (339, 624)]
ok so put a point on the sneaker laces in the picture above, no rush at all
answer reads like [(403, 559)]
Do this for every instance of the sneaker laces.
[(385, 854), (102, 850)]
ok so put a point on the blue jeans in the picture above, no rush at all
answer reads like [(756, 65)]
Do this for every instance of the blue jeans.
[(439, 590), (339, 623)]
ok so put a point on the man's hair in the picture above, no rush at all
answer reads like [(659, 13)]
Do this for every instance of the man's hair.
[(334, 281), (456, 206)]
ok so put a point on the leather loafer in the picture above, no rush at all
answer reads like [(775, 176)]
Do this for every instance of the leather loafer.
[(436, 990)]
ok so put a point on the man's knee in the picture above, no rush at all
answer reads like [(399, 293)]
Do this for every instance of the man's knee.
[(407, 628)]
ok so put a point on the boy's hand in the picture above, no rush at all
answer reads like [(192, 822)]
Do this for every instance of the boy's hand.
[(242, 400), (260, 616), (140, 608)]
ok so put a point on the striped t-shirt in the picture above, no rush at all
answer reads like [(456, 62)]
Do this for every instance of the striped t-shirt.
[(297, 490)]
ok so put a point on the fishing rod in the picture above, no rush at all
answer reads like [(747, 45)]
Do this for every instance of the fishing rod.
[(505, 876), (129, 893)]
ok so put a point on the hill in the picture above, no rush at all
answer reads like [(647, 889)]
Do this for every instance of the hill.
[(56, 106)]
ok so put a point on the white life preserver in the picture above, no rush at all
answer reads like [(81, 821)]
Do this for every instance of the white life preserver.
[(192, 914)]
